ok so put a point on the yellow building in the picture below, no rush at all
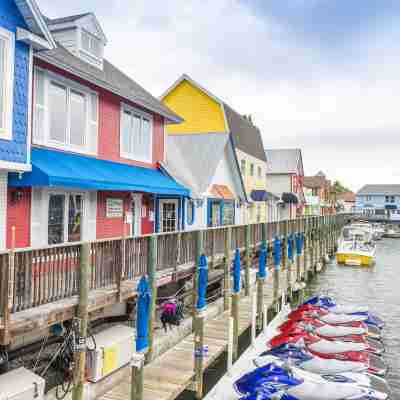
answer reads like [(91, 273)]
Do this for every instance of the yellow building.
[(205, 113)]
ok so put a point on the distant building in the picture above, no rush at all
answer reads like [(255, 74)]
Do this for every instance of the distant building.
[(317, 191), (346, 201), (379, 200), (285, 175)]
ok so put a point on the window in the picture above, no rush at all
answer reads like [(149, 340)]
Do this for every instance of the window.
[(169, 215), (6, 83), (65, 115), (228, 213), (251, 169), (243, 166), (65, 218), (91, 44), (136, 134), (259, 172), (389, 199), (369, 198), (190, 212), (258, 212)]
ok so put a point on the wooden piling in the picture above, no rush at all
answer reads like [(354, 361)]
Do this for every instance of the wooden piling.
[(247, 259), (83, 317), (227, 268), (235, 316), (261, 281), (199, 353), (137, 377), (151, 272)]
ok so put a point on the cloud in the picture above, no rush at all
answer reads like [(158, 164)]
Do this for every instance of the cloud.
[(329, 88)]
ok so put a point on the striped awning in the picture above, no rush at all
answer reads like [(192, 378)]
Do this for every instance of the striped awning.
[(222, 192)]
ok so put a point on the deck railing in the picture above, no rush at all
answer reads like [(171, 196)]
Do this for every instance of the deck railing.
[(33, 277)]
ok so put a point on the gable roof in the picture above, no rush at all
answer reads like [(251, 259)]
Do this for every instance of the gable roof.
[(34, 19), (65, 20), (347, 196), (245, 135), (284, 161), (109, 78), (315, 182), (380, 189), (193, 159)]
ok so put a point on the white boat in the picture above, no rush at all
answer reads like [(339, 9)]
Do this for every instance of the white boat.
[(356, 246), (392, 232)]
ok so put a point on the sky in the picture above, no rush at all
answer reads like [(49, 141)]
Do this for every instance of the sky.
[(321, 75)]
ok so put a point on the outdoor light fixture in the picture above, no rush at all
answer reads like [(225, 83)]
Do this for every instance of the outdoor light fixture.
[(16, 195)]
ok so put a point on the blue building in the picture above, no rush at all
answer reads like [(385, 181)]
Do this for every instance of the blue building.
[(22, 31), (380, 201)]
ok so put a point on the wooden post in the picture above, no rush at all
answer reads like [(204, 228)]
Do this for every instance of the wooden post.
[(198, 322), (235, 316), (151, 272), (247, 259), (230, 346), (261, 281), (83, 317), (123, 262), (276, 272), (253, 319), (137, 377), (199, 353), (227, 268)]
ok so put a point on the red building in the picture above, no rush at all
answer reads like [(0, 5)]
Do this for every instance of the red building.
[(96, 143)]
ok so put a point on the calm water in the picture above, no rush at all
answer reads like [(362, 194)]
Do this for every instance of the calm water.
[(377, 287)]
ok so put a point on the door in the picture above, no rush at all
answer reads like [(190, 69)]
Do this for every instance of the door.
[(169, 215), (136, 221)]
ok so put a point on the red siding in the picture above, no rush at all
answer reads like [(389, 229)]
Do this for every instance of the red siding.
[(109, 123), (19, 215), (147, 224), (111, 227)]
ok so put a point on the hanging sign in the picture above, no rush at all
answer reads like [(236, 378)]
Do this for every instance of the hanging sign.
[(114, 208)]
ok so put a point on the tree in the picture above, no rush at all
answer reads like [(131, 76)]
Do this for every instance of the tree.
[(339, 188)]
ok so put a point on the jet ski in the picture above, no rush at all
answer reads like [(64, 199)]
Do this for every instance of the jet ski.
[(318, 344), (266, 382), (358, 328), (328, 303), (355, 378), (343, 334), (309, 362)]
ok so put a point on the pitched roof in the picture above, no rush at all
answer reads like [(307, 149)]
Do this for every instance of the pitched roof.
[(34, 19), (246, 136), (192, 159), (284, 161), (314, 182), (109, 78), (380, 189), (64, 20), (346, 196)]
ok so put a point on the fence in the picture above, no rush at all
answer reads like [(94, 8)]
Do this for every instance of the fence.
[(33, 277)]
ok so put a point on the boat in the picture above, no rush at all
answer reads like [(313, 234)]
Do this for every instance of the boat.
[(356, 246), (379, 231), (392, 232)]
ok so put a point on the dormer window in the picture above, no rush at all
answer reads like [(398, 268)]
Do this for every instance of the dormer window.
[(91, 44)]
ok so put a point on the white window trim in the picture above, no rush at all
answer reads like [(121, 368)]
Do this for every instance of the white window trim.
[(66, 204), (6, 132), (70, 85), (127, 107)]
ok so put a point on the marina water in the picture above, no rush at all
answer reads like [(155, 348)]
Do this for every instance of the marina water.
[(378, 287)]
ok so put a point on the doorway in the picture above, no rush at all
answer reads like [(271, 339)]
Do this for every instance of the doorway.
[(169, 216)]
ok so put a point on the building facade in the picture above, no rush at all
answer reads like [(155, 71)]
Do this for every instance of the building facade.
[(285, 175), (318, 198), (204, 113), (380, 201), (97, 140), (22, 32)]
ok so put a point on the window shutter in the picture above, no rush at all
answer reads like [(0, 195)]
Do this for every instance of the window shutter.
[(38, 219), (39, 117), (93, 123), (91, 216)]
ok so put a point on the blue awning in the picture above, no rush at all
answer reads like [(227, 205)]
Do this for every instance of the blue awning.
[(65, 170), (391, 207), (259, 195), (290, 198)]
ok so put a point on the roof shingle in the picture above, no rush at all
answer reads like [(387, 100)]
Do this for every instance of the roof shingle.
[(284, 161), (380, 189)]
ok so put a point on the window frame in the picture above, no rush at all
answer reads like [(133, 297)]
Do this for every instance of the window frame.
[(8, 94), (67, 196), (143, 115), (259, 172), (90, 96), (243, 166), (251, 169), (190, 203), (91, 38)]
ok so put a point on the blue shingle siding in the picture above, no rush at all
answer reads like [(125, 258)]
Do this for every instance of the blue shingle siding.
[(15, 150)]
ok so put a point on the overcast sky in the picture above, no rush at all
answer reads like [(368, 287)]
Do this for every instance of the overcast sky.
[(322, 75)]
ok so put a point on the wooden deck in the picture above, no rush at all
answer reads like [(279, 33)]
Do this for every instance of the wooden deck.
[(171, 373)]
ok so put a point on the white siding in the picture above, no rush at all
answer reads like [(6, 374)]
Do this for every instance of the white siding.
[(68, 38), (279, 183), (3, 209)]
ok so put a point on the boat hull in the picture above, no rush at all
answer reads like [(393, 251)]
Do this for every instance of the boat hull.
[(355, 259)]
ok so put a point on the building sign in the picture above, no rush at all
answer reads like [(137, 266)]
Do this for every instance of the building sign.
[(114, 208)]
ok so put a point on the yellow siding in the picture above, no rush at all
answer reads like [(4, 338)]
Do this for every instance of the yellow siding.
[(201, 112), (257, 212)]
